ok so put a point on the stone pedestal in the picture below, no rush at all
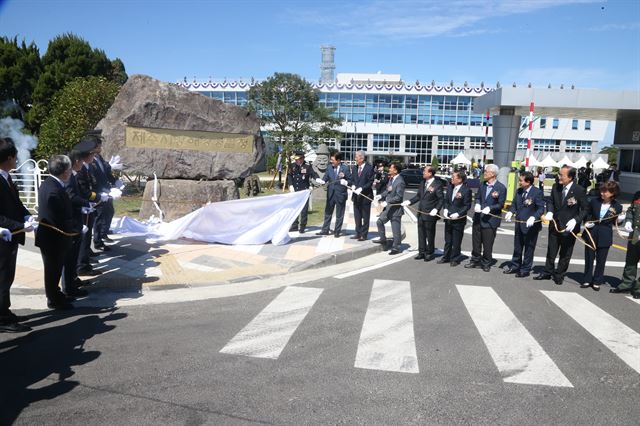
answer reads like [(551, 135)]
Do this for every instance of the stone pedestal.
[(177, 197)]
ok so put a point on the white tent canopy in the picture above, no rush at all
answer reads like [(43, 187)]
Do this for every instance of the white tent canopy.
[(548, 162), (460, 159), (600, 164), (566, 161), (533, 162), (582, 162)]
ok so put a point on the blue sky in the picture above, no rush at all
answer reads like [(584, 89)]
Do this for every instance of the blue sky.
[(582, 42)]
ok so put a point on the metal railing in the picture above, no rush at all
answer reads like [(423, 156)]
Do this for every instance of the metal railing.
[(28, 176)]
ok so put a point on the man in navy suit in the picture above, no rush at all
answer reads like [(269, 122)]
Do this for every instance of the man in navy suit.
[(528, 205), (457, 203), (392, 198), (337, 179), (490, 199), (362, 176), (104, 182), (13, 217)]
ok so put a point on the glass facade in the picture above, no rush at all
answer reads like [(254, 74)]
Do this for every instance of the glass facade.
[(386, 143), (352, 142), (578, 146), (421, 145)]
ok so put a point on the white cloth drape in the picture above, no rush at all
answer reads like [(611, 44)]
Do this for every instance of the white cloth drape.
[(249, 221)]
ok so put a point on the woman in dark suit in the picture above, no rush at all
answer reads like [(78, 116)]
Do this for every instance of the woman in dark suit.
[(602, 213)]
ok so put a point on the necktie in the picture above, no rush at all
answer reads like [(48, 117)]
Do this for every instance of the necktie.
[(524, 195), (454, 192), (564, 193), (359, 171)]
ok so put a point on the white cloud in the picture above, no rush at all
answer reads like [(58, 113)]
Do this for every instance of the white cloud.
[(628, 26)]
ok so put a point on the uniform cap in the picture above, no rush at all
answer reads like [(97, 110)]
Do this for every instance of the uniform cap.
[(298, 154), (85, 146)]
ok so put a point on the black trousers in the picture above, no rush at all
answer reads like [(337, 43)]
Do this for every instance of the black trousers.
[(8, 256), (362, 216), (426, 236), (452, 240), (85, 244), (599, 257), (396, 228), (103, 216), (303, 217), (69, 272), (339, 207), (524, 242), (53, 260), (482, 244), (562, 243)]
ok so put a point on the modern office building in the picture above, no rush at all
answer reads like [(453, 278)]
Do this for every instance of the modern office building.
[(384, 115)]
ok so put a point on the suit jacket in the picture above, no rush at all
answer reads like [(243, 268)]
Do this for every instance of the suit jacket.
[(77, 202), (54, 208), (574, 206), (460, 204), (494, 200), (301, 175), (602, 232), (87, 184), (431, 197), (335, 190), (12, 211), (523, 209), (393, 193), (104, 178), (364, 181)]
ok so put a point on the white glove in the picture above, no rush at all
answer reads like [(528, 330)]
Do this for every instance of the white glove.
[(320, 181), (621, 217), (85, 229), (358, 191), (433, 212), (530, 221), (477, 208), (344, 182), (353, 187), (5, 235), (377, 197), (589, 225), (570, 225), (406, 203), (486, 210), (508, 216), (29, 226), (291, 188), (115, 163), (86, 210), (119, 184), (445, 213), (115, 193), (628, 227), (548, 216), (104, 198), (29, 218), (454, 216)]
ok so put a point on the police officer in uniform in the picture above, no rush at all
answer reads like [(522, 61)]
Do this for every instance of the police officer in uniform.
[(105, 180), (630, 279), (299, 178)]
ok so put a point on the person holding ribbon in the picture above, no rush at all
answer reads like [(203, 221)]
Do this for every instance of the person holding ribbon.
[(337, 179), (630, 279), (457, 203), (362, 176)]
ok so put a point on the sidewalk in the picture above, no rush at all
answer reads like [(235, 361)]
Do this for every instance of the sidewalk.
[(133, 264)]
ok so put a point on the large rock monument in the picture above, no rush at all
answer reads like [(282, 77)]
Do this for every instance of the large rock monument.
[(195, 145)]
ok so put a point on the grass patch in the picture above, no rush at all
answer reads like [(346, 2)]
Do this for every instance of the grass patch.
[(128, 205)]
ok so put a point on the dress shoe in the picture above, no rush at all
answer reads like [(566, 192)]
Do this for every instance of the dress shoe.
[(337, 234), (88, 272), (542, 277), (509, 271), (362, 239), (107, 239), (13, 327), (443, 260), (454, 263), (486, 268), (394, 252), (379, 241), (60, 306), (419, 256), (522, 274), (79, 292), (558, 281), (429, 257), (636, 295), (93, 253), (301, 230), (595, 287), (585, 285), (472, 265), (102, 247), (354, 237), (619, 290), (323, 233)]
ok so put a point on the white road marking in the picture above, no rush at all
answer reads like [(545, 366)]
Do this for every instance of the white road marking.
[(620, 339), (374, 267), (634, 300), (269, 332), (387, 340), (518, 356)]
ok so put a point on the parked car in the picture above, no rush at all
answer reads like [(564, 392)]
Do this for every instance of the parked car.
[(412, 177)]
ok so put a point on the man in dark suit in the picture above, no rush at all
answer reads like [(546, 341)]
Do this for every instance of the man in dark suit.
[(431, 199), (457, 203), (337, 178), (13, 217), (300, 176), (490, 199), (528, 205), (567, 206), (362, 175), (55, 209), (104, 180), (392, 198)]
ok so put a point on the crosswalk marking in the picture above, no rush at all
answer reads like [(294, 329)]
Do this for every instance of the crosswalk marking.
[(377, 266), (615, 335), (269, 332), (387, 341), (634, 299), (518, 356)]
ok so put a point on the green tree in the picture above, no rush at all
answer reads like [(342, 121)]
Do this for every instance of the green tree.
[(612, 153), (289, 107), (68, 56), (435, 163), (78, 107), (20, 68)]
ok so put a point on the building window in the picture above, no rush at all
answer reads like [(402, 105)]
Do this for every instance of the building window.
[(626, 159), (574, 124), (386, 143), (352, 142), (543, 123), (421, 146), (556, 123), (578, 146), (522, 144), (587, 124), (477, 142), (546, 145)]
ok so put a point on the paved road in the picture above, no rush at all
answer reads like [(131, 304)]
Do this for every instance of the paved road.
[(410, 343)]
